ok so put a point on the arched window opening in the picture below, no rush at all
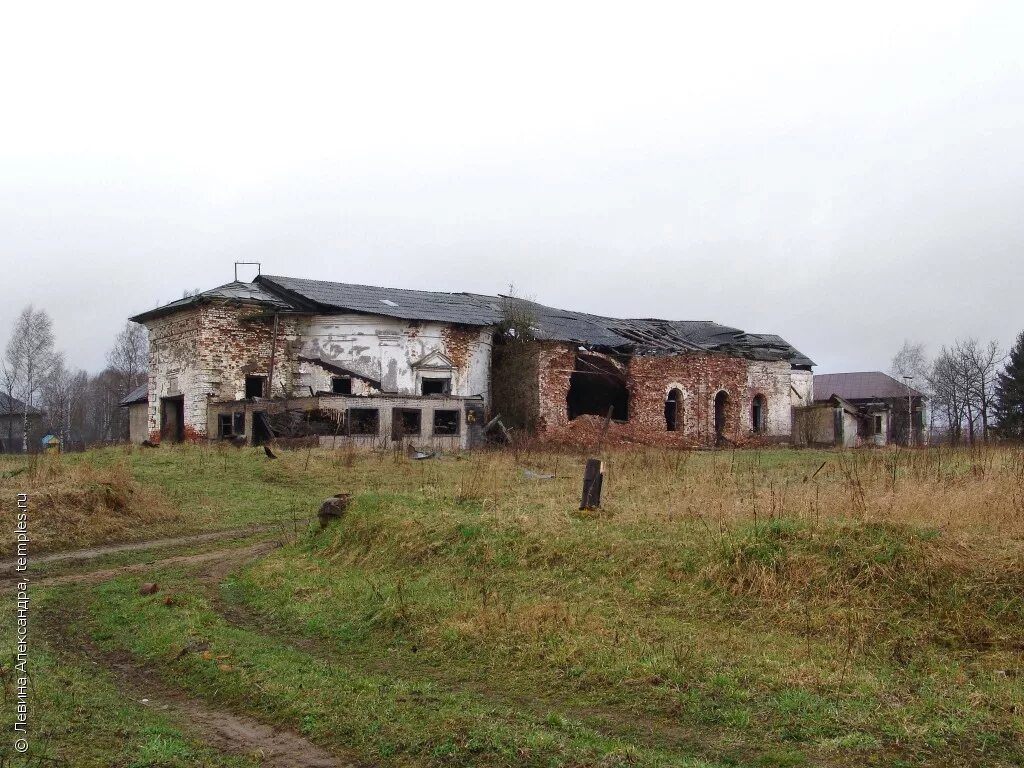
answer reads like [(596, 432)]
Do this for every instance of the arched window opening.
[(674, 411), (757, 413), (721, 402)]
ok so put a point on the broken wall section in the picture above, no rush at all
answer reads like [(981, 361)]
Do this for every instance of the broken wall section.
[(207, 352), (678, 391)]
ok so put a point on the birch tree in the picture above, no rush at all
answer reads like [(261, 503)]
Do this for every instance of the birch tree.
[(30, 351)]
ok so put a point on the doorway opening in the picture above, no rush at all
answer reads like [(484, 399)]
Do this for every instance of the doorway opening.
[(721, 404), (172, 419)]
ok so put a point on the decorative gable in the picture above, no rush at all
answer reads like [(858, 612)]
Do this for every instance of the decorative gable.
[(435, 361)]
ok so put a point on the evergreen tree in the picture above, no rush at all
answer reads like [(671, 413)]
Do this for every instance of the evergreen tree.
[(1010, 393)]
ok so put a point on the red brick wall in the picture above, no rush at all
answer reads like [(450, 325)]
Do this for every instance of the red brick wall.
[(699, 376), (555, 365)]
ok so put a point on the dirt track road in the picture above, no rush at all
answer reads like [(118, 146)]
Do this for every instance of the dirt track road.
[(90, 553), (221, 729)]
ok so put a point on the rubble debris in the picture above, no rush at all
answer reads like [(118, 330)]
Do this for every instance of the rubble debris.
[(193, 646), (529, 474), (149, 588), (333, 508)]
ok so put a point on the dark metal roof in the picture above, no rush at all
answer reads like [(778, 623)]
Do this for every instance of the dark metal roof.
[(862, 385), (650, 336), (9, 405), (642, 336), (458, 308), (138, 395), (237, 292)]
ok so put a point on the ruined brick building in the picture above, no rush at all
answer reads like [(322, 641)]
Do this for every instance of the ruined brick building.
[(283, 356)]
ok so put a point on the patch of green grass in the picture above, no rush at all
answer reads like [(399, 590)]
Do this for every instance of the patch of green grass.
[(738, 608), (80, 717), (781, 632), (342, 704)]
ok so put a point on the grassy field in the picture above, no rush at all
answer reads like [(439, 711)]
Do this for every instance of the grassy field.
[(749, 608)]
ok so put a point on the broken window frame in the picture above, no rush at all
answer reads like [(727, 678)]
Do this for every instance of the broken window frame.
[(225, 426), (445, 383), (758, 414), (720, 404), (596, 384), (451, 417), (674, 410), (250, 381), (399, 426), (359, 421), (345, 382)]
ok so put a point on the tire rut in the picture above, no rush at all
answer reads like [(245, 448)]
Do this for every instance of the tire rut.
[(90, 553), (609, 721), (221, 729)]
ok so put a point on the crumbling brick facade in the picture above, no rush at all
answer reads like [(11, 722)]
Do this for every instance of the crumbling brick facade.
[(206, 352), (697, 378), (663, 382)]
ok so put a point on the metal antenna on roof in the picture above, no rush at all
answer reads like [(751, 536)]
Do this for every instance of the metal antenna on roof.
[(248, 263)]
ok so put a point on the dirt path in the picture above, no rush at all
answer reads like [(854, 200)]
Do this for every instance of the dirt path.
[(219, 728), (223, 730), (90, 553), (223, 559), (643, 728)]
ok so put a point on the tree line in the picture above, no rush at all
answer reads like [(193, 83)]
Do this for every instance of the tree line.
[(975, 389), (78, 407)]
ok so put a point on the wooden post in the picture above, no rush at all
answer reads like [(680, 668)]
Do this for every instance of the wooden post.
[(593, 477)]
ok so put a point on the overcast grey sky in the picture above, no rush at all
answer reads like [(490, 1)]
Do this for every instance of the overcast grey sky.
[(845, 175)]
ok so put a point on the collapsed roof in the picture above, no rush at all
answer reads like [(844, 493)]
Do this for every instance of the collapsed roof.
[(646, 336)]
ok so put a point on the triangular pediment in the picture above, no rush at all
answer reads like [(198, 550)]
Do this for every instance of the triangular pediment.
[(436, 360)]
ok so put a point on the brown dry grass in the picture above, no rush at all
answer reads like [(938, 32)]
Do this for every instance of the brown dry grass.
[(79, 503)]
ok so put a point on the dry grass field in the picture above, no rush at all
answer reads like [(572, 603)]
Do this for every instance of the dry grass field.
[(747, 608)]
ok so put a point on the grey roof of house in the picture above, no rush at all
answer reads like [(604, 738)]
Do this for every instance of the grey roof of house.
[(138, 395), (861, 385), (9, 405), (637, 335), (236, 292)]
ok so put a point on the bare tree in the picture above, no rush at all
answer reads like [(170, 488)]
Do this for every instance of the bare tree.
[(948, 399), (103, 419), (980, 365), (10, 381), (911, 361), (127, 364), (64, 394), (30, 351)]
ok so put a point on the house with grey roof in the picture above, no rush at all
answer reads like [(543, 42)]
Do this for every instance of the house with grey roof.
[(283, 357), (137, 403), (880, 406), (13, 418)]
